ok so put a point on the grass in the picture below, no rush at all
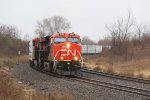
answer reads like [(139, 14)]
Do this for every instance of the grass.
[(10, 62), (11, 89), (139, 68), (54, 95)]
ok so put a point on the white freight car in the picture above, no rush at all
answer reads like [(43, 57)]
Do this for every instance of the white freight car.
[(91, 49)]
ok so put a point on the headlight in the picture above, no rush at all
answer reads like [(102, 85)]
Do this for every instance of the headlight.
[(61, 58), (68, 45), (75, 58)]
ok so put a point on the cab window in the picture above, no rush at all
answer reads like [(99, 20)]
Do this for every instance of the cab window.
[(59, 40), (73, 39)]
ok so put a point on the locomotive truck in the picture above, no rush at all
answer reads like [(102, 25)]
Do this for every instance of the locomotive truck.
[(58, 52)]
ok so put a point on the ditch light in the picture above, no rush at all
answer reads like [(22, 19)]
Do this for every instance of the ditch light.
[(75, 58)]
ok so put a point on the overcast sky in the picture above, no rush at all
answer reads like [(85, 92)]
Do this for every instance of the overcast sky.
[(87, 17)]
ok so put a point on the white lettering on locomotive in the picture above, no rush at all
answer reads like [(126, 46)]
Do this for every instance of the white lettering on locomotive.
[(73, 53), (68, 52)]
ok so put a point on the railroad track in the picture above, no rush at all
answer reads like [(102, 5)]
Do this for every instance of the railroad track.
[(128, 89), (139, 80), (99, 83)]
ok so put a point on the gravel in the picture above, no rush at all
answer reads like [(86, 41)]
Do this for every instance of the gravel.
[(81, 91)]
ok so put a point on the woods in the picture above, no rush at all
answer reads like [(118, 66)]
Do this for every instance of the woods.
[(127, 37), (10, 42)]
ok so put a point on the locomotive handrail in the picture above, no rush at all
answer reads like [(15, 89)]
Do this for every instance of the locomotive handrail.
[(54, 65), (81, 58)]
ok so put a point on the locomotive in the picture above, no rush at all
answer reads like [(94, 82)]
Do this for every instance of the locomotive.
[(58, 52)]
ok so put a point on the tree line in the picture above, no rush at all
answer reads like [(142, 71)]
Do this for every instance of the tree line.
[(125, 34), (10, 42)]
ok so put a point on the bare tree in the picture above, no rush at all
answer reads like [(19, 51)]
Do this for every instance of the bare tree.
[(141, 29), (120, 33), (137, 39), (10, 41), (87, 41), (52, 25), (141, 35), (9, 30), (105, 42)]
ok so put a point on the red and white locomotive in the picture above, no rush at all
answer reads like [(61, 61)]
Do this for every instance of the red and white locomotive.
[(61, 51)]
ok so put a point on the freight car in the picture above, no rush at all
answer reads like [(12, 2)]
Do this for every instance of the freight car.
[(58, 52), (91, 49)]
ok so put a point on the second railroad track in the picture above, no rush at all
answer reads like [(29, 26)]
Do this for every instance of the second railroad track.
[(134, 90)]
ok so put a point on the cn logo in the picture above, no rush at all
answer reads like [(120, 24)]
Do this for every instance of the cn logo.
[(70, 52)]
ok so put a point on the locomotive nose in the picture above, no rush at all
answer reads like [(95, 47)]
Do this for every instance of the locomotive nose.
[(66, 46), (69, 51)]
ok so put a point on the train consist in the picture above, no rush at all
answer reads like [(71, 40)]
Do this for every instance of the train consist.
[(58, 52)]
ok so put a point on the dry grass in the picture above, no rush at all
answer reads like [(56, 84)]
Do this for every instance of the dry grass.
[(136, 68), (55, 95), (11, 89), (10, 62)]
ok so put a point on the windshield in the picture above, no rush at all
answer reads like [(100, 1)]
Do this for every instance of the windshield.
[(59, 40), (73, 39)]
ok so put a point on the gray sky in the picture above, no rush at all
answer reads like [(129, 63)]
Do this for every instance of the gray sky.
[(88, 17)]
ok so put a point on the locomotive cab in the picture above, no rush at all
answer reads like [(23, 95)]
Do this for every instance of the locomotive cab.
[(67, 51)]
